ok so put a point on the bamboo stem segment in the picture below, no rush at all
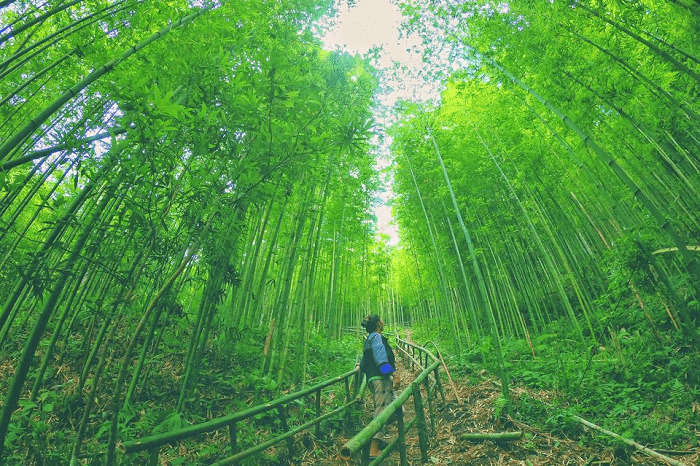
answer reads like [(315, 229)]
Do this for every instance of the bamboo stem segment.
[(496, 436), (642, 448)]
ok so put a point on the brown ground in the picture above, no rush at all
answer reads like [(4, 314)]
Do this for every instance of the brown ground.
[(477, 413)]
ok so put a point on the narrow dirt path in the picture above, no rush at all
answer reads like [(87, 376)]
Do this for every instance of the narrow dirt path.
[(478, 413)]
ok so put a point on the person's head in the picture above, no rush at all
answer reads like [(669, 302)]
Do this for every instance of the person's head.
[(373, 323)]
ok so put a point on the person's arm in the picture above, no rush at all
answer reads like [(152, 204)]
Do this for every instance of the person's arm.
[(380, 356)]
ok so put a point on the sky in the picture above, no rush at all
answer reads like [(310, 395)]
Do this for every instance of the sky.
[(376, 23)]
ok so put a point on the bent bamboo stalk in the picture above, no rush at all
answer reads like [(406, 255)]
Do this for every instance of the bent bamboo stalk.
[(447, 371), (636, 445)]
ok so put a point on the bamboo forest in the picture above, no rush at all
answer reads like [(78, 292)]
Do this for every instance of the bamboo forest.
[(189, 237)]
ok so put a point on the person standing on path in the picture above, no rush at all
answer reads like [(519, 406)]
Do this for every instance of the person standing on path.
[(379, 364)]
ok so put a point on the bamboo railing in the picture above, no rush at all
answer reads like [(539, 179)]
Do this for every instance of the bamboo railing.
[(428, 364), (154, 442)]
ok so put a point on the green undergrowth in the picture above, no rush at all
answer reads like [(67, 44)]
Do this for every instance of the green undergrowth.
[(230, 379), (638, 382), (234, 380)]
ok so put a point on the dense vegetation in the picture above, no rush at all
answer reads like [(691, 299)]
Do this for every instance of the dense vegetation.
[(549, 204), (185, 223)]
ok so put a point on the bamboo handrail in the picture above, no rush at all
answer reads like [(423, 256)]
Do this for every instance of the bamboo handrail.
[(416, 362), (155, 441), (287, 435), (354, 445), (428, 354)]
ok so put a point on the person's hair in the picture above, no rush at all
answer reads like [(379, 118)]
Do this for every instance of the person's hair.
[(371, 322)]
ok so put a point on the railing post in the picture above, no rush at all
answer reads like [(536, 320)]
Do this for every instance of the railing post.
[(426, 382), (420, 421), (317, 430), (413, 356), (285, 426), (233, 434), (347, 400), (402, 436), (356, 383), (439, 385)]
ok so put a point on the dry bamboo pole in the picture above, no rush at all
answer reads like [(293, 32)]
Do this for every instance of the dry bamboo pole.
[(642, 448), (493, 436), (665, 250), (447, 371)]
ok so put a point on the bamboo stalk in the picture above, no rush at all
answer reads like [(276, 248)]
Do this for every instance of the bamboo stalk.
[(668, 57), (27, 355), (642, 448), (12, 142), (665, 250), (60, 147), (692, 265), (495, 436), (26, 25)]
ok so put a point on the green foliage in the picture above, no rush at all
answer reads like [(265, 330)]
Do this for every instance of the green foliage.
[(645, 391), (631, 261), (35, 436), (500, 405), (222, 226)]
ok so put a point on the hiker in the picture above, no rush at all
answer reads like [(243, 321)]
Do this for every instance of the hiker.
[(379, 364)]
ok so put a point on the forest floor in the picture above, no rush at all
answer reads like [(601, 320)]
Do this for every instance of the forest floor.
[(477, 413)]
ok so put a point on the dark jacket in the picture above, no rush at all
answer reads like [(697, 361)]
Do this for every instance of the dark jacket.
[(376, 351)]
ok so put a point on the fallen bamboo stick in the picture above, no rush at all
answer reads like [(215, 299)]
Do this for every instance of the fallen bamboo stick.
[(496, 436), (642, 448)]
